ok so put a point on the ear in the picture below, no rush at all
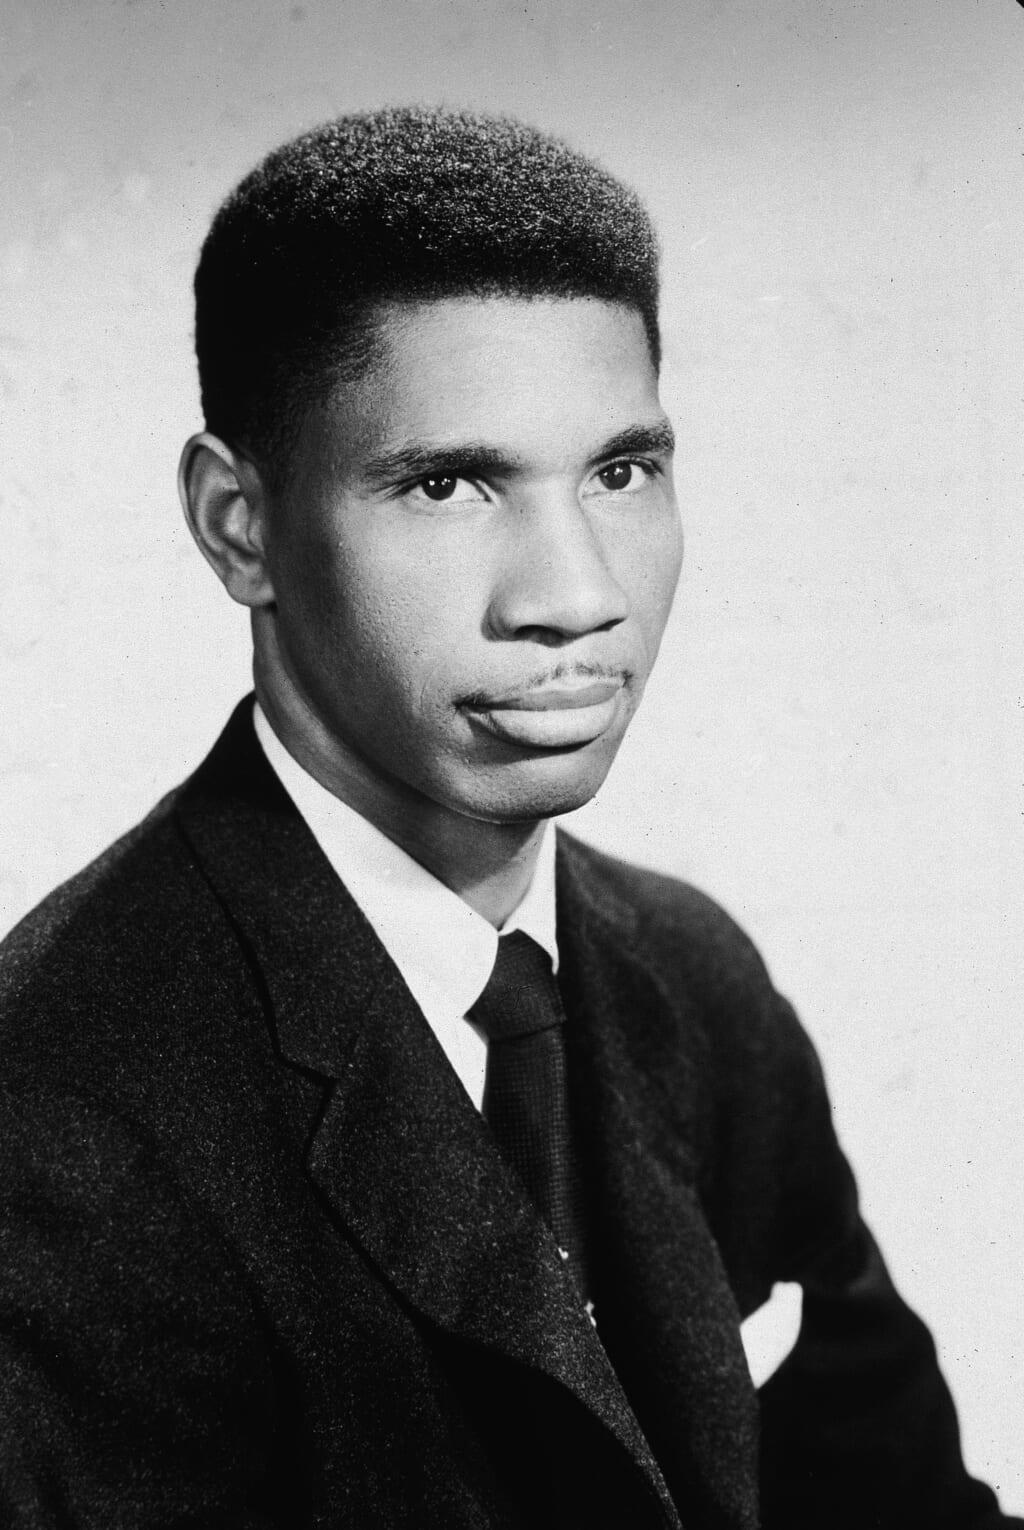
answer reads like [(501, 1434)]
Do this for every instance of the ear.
[(226, 508)]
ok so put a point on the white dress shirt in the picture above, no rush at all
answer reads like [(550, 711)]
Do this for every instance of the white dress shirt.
[(443, 948)]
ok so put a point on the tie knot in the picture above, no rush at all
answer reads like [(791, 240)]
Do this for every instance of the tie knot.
[(521, 996)]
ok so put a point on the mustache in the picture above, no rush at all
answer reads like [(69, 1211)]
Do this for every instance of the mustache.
[(541, 680)]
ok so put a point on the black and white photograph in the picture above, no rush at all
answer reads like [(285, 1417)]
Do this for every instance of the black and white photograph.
[(511, 785)]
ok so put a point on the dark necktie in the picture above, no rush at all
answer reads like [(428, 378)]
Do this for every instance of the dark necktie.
[(526, 1098)]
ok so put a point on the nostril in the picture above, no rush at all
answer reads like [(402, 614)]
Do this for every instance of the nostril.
[(557, 592)]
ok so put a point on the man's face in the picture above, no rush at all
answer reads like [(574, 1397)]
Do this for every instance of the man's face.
[(474, 562)]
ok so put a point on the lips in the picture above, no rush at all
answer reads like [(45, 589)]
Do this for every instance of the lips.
[(561, 697), (558, 714)]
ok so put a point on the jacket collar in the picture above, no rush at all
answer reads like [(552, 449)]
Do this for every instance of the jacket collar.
[(400, 1154)]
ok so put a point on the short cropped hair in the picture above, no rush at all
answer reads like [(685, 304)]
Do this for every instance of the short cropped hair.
[(397, 205)]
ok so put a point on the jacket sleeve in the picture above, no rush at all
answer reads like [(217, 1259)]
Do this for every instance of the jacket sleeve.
[(133, 1386), (858, 1426)]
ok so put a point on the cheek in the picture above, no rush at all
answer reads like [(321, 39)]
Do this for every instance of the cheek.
[(397, 623), (651, 568), (669, 569)]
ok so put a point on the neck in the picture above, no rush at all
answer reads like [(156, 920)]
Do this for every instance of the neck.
[(488, 865)]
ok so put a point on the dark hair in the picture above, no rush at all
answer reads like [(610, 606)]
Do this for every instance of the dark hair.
[(395, 205)]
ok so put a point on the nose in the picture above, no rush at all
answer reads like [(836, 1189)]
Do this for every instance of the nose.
[(554, 582)]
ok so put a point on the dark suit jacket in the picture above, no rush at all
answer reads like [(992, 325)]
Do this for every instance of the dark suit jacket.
[(263, 1265)]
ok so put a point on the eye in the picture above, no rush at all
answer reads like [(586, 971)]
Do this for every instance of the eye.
[(446, 488), (623, 477)]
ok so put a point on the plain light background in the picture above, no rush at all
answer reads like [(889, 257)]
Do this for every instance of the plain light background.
[(833, 743)]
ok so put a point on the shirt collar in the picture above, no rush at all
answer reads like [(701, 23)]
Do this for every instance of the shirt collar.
[(444, 949)]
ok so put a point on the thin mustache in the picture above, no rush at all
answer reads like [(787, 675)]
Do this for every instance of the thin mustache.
[(541, 682)]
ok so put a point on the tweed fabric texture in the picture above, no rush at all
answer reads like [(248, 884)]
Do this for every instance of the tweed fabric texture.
[(262, 1264)]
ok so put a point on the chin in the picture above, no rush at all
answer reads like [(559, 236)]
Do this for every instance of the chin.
[(545, 786)]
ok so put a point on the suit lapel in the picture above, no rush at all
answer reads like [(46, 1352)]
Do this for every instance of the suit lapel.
[(665, 1309), (400, 1154)]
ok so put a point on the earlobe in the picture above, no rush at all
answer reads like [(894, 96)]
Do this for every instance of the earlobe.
[(225, 506)]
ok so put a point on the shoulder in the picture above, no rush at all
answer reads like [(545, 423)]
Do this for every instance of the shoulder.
[(129, 913), (677, 932), (96, 974), (90, 895), (740, 1075), (139, 872), (695, 998)]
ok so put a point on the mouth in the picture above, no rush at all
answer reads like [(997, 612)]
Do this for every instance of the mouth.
[(562, 713)]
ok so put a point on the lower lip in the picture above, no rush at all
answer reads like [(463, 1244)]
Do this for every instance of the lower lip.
[(557, 723)]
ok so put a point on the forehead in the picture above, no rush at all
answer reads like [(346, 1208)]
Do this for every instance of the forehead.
[(539, 377)]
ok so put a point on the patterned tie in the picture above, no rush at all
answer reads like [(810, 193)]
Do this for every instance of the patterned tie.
[(526, 1099)]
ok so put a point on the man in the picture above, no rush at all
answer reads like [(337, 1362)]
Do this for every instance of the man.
[(322, 1206)]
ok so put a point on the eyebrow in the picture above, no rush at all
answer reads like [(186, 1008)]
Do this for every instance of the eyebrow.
[(637, 440), (419, 459), (477, 459)]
